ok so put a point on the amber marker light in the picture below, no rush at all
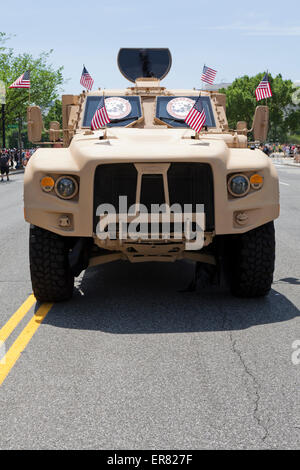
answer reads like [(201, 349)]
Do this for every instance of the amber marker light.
[(256, 181), (47, 184)]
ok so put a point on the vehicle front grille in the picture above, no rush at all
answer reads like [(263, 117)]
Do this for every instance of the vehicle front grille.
[(189, 183)]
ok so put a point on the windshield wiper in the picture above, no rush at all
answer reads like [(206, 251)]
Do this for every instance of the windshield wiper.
[(180, 121), (134, 118)]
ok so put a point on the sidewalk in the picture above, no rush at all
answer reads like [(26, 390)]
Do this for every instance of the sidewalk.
[(289, 161)]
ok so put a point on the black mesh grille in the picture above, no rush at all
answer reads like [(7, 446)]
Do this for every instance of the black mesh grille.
[(192, 183), (112, 181), (189, 183), (152, 190)]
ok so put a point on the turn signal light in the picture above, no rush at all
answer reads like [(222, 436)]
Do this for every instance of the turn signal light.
[(256, 181), (47, 184)]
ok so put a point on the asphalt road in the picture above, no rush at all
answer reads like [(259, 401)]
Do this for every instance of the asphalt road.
[(134, 363)]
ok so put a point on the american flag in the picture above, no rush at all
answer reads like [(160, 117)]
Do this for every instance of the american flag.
[(86, 80), (264, 89), (208, 75), (196, 117), (100, 118), (22, 82)]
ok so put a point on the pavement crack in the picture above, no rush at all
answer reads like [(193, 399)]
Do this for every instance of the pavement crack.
[(256, 386), (247, 371)]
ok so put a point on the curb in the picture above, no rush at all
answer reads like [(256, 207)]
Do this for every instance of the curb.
[(284, 161), (295, 165), (16, 172)]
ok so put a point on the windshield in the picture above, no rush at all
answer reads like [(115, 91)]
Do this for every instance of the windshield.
[(122, 110), (174, 109)]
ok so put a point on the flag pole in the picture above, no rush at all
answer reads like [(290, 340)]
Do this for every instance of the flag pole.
[(197, 133), (201, 89), (29, 89), (83, 66), (105, 127), (268, 81)]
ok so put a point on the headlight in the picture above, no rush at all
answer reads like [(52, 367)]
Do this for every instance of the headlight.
[(66, 187), (238, 185)]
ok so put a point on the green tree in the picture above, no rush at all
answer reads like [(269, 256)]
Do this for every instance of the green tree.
[(45, 82), (241, 103), (54, 114)]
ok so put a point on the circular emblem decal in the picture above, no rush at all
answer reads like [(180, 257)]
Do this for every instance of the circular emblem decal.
[(179, 108), (117, 108)]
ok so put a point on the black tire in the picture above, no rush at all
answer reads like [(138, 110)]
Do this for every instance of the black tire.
[(52, 280), (252, 256)]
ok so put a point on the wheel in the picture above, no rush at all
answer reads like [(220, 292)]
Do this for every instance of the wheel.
[(252, 260), (52, 280)]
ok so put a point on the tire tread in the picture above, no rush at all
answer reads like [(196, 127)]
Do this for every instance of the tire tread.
[(254, 255), (51, 278)]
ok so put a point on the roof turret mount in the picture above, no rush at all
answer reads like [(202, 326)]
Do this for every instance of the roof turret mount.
[(144, 63)]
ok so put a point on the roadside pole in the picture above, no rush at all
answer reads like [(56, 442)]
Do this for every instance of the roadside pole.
[(3, 126), (2, 102)]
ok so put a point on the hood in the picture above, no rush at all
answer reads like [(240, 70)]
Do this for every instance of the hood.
[(123, 144)]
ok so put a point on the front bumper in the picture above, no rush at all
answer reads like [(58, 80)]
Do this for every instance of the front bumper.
[(45, 210)]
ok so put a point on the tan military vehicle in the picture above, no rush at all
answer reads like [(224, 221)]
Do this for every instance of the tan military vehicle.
[(116, 193)]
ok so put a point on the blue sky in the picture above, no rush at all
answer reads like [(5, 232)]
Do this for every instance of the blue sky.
[(234, 37)]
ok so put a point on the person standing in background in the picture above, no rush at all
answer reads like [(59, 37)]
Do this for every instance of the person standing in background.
[(4, 165)]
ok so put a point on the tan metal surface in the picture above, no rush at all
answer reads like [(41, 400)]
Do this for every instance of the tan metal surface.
[(152, 147)]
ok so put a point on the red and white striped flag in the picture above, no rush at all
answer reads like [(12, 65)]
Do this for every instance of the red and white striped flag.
[(100, 118), (208, 75), (196, 117), (86, 80), (22, 82), (264, 89)]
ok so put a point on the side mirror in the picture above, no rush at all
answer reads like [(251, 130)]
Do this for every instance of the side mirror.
[(68, 104), (54, 131), (34, 123), (260, 124)]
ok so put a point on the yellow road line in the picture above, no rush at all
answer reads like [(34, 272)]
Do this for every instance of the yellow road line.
[(9, 327), (22, 341)]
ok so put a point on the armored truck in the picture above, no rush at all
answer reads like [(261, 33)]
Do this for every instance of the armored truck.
[(146, 187)]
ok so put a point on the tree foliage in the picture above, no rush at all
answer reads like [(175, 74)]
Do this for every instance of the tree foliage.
[(45, 81), (241, 103), (54, 114)]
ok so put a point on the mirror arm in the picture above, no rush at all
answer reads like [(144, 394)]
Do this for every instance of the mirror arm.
[(54, 130)]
